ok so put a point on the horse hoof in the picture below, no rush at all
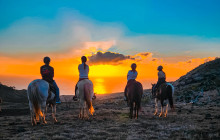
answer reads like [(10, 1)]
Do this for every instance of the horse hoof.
[(165, 115), (160, 115), (55, 120), (155, 114), (33, 123)]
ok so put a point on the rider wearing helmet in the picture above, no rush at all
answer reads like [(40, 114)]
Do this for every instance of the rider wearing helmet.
[(131, 76), (47, 73), (161, 77), (83, 73)]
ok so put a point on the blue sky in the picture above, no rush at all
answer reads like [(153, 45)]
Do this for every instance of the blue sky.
[(178, 21), (179, 17)]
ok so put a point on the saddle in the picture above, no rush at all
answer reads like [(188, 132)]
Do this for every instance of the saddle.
[(159, 89), (51, 90)]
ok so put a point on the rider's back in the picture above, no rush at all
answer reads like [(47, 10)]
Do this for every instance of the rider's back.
[(47, 73), (83, 70)]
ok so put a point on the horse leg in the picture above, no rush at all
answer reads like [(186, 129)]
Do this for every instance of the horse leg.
[(156, 107), (161, 113), (83, 112), (80, 114), (165, 115), (135, 110), (131, 110), (43, 108), (33, 120), (54, 113), (53, 107), (87, 112)]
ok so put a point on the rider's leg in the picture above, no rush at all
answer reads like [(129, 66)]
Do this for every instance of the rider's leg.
[(57, 92), (75, 97)]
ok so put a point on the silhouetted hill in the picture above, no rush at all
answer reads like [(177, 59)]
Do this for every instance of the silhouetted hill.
[(10, 94), (205, 77)]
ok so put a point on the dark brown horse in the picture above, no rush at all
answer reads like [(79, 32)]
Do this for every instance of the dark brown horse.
[(164, 92), (134, 93)]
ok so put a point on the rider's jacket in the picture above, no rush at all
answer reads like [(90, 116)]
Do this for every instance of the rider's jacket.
[(131, 75), (161, 75), (47, 73), (83, 72)]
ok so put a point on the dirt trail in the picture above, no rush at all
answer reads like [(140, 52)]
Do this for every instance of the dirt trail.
[(111, 121)]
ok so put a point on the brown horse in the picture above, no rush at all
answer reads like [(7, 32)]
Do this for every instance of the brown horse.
[(134, 93), (164, 92)]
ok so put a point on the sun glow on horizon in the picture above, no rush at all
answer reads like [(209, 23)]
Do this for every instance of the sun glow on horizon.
[(107, 78), (99, 87)]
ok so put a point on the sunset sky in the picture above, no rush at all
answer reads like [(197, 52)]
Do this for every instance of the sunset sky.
[(180, 35)]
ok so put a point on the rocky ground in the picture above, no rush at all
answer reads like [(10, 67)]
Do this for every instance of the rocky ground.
[(111, 121)]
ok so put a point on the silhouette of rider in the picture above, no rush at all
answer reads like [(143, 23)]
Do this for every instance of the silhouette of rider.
[(131, 76), (47, 73), (83, 74), (161, 77)]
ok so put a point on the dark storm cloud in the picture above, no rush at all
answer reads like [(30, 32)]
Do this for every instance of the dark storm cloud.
[(108, 58)]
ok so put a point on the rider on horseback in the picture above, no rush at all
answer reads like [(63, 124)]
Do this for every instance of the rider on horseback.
[(83, 73), (161, 77), (131, 76), (47, 73)]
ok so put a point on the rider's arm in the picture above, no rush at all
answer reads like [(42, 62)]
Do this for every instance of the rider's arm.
[(127, 74), (52, 72), (41, 71), (136, 75)]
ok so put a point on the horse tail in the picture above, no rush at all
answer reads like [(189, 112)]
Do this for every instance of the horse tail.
[(170, 90), (139, 89), (35, 99), (87, 95)]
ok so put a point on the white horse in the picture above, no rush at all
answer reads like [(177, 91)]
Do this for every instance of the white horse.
[(37, 93), (85, 94)]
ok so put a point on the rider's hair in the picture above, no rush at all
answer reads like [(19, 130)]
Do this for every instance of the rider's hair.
[(84, 59)]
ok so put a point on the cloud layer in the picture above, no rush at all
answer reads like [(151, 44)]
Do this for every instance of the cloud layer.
[(71, 31), (108, 58)]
